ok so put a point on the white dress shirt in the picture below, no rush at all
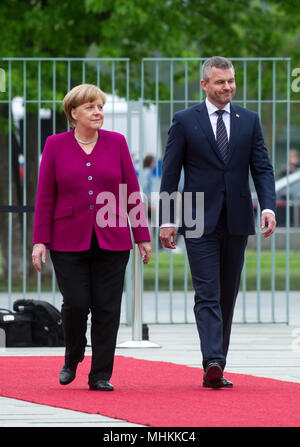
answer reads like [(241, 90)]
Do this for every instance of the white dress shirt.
[(213, 116)]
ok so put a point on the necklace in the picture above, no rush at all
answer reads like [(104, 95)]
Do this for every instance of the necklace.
[(85, 142)]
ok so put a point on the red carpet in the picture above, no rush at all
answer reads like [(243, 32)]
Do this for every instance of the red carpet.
[(157, 394)]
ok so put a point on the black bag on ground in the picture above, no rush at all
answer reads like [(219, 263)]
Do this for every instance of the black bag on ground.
[(17, 327), (47, 329)]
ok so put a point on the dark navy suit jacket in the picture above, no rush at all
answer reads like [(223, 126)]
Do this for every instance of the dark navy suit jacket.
[(191, 145)]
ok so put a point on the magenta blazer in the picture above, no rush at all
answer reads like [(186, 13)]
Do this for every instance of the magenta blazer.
[(71, 194)]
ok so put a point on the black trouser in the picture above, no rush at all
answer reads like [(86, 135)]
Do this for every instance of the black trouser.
[(93, 281), (216, 261)]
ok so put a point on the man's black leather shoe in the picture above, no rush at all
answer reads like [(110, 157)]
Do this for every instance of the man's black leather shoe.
[(101, 385), (213, 377), (67, 375), (213, 372), (219, 383)]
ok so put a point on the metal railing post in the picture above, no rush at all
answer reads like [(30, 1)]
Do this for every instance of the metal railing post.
[(137, 319)]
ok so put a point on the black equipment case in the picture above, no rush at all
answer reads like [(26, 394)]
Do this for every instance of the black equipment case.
[(33, 323)]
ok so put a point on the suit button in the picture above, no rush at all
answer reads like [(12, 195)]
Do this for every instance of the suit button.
[(92, 207), (90, 177), (88, 163), (91, 192)]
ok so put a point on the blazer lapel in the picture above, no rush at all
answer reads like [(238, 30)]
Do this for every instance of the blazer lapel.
[(235, 126), (204, 120)]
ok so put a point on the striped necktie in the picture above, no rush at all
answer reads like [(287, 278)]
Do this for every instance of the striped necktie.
[(221, 137)]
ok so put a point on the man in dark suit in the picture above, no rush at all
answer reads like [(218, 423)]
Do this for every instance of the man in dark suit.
[(216, 142)]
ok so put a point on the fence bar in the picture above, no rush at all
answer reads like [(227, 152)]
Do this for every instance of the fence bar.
[(273, 246), (39, 274), (244, 272), (128, 273), (113, 87), (83, 72), (258, 238), (156, 284), (137, 330), (185, 283), (171, 251), (9, 255), (69, 87), (53, 279), (64, 59), (98, 74), (287, 275), (175, 101), (24, 183), (253, 59), (200, 77), (127, 81)]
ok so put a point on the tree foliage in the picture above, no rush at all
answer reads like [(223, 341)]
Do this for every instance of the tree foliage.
[(141, 28), (149, 28)]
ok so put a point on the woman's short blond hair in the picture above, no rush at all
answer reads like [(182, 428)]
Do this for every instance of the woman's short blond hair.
[(79, 95)]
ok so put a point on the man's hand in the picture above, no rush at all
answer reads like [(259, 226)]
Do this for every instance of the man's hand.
[(168, 237), (268, 222)]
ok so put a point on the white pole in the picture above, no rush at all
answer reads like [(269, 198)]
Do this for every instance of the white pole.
[(137, 324), (137, 302)]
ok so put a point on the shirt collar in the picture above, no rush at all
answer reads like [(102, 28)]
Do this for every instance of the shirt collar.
[(211, 108)]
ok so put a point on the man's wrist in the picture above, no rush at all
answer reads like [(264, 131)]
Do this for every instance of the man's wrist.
[(268, 211), (166, 225)]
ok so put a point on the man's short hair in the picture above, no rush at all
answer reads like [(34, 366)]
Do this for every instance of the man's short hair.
[(217, 62)]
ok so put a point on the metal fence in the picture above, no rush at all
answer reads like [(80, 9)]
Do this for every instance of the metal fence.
[(141, 108)]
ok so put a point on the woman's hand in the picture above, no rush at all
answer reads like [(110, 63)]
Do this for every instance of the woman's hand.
[(39, 251), (145, 251)]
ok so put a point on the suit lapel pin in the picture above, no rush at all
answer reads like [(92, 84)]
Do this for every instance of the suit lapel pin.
[(237, 115)]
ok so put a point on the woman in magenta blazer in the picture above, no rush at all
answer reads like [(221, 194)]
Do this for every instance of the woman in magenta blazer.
[(87, 187)]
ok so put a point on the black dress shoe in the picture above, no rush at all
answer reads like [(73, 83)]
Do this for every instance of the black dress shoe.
[(213, 372), (101, 385), (67, 375), (226, 383), (219, 383), (213, 377)]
